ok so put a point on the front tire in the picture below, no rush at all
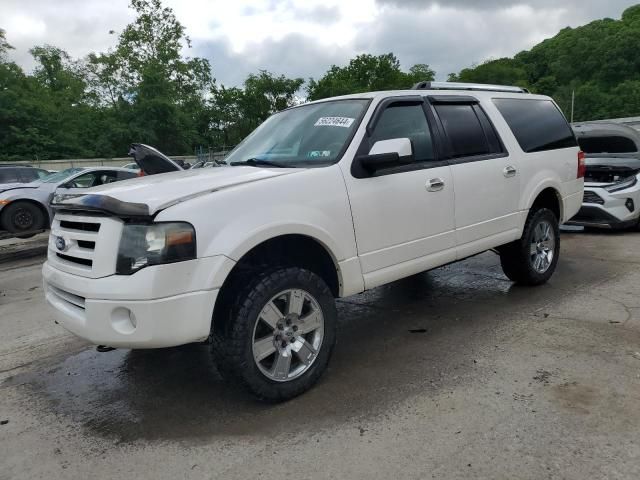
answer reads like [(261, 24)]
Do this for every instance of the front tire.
[(19, 217), (278, 334), (532, 259)]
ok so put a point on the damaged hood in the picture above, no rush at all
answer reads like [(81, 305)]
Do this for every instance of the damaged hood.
[(610, 169), (148, 195)]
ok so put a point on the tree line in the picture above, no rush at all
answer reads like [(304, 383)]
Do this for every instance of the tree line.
[(146, 90), (599, 63)]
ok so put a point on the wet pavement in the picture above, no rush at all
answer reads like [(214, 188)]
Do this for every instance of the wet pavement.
[(454, 373)]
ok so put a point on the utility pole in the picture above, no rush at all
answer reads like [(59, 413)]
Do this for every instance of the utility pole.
[(573, 102)]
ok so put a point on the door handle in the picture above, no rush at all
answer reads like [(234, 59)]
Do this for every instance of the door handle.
[(509, 171), (435, 185)]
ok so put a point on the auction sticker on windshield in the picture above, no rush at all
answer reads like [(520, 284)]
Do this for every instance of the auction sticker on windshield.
[(334, 122)]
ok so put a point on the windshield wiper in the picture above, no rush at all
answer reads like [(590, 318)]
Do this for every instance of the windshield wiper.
[(259, 162)]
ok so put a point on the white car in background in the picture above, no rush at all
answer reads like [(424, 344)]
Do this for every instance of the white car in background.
[(612, 186)]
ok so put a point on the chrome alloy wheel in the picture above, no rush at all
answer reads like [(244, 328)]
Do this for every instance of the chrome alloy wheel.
[(288, 335), (542, 248)]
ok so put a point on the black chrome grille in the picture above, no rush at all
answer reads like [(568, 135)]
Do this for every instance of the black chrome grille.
[(81, 226), (592, 197), (89, 245), (81, 261)]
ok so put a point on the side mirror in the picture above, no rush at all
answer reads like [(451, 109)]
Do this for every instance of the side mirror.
[(387, 154)]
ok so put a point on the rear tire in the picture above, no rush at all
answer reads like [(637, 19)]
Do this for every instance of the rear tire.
[(277, 334), (19, 217), (532, 259)]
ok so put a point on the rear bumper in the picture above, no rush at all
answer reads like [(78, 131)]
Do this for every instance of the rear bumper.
[(136, 311)]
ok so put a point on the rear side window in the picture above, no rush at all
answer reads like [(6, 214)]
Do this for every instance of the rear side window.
[(9, 175), (538, 125), (468, 130)]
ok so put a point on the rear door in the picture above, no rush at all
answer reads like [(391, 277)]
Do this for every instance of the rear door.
[(485, 176)]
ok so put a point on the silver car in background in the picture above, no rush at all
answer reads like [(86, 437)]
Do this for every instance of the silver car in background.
[(611, 182), (26, 208)]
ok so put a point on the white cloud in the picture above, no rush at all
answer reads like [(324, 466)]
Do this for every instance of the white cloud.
[(303, 37)]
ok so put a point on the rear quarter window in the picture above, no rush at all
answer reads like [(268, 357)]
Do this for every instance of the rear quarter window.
[(538, 125), (9, 175)]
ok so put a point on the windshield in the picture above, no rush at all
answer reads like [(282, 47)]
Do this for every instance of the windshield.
[(59, 176), (306, 136)]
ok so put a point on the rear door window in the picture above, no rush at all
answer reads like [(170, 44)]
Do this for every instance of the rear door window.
[(538, 125), (469, 131)]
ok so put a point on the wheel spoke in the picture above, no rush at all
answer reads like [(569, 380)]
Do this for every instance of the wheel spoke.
[(533, 249), (310, 322), (537, 263), (263, 348), (296, 301), (282, 365), (271, 314), (284, 353), (305, 352)]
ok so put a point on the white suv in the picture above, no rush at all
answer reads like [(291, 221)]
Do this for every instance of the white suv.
[(323, 200)]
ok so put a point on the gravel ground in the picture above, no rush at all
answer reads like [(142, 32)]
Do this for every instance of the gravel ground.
[(455, 373)]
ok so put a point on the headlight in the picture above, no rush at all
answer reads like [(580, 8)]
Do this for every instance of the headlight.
[(622, 184), (155, 244)]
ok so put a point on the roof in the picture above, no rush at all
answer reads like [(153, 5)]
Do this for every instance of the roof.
[(479, 94)]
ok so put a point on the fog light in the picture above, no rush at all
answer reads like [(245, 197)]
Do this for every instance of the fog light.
[(630, 205), (123, 321)]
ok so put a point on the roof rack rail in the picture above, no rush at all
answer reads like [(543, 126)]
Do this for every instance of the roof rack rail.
[(467, 86)]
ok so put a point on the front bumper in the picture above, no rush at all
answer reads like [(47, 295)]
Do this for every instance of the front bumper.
[(168, 305), (603, 209)]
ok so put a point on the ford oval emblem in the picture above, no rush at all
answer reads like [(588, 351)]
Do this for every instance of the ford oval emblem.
[(61, 244)]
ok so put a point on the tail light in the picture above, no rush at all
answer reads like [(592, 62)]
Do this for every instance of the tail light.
[(582, 167), (141, 173)]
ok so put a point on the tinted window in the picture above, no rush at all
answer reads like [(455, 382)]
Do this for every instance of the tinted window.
[(538, 125), (405, 121), (465, 132), (609, 144), (28, 174), (9, 175)]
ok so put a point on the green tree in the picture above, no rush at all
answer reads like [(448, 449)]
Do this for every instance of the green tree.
[(599, 62), (367, 73), (152, 89), (4, 45), (235, 112)]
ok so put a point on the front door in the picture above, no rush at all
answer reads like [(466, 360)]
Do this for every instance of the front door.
[(403, 216)]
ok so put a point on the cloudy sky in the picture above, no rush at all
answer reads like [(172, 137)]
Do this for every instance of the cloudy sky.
[(304, 37)]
